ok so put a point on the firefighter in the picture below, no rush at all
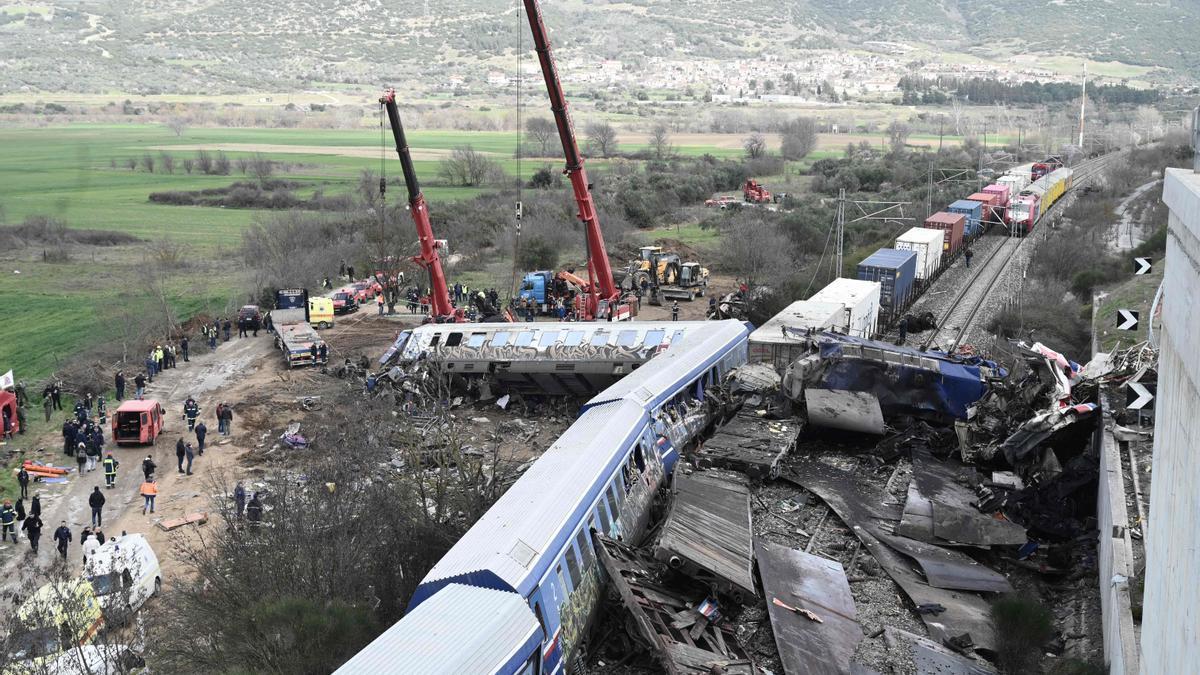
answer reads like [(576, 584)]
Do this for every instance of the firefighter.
[(8, 518), (191, 410), (110, 470), (23, 480)]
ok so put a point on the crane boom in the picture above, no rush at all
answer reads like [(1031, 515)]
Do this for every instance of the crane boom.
[(602, 286), (441, 308)]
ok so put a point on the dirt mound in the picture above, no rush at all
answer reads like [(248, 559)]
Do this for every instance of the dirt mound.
[(686, 252)]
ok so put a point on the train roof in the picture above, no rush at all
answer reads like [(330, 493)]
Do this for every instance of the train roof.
[(662, 376), (463, 629), (411, 349), (508, 546), (1039, 186)]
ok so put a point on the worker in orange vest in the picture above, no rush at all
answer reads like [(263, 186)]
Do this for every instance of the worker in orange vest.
[(379, 302), (149, 492)]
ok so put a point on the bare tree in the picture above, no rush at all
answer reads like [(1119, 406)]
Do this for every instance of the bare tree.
[(898, 133), (242, 164), (660, 141), (177, 124), (602, 139), (167, 161), (131, 163), (542, 131), (189, 164), (221, 164), (957, 107), (468, 167), (204, 161), (148, 162), (756, 250), (261, 167), (799, 138), (755, 145)]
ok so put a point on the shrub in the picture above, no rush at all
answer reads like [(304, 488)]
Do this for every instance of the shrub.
[(537, 254), (1022, 626)]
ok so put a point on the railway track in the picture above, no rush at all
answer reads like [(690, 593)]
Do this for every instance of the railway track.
[(960, 315)]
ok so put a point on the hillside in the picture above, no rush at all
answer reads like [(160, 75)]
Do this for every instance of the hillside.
[(226, 46)]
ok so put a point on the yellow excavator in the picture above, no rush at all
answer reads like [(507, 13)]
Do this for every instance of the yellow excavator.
[(665, 277)]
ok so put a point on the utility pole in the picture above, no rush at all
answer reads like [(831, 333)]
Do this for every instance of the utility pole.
[(841, 230), (1082, 105), (882, 211)]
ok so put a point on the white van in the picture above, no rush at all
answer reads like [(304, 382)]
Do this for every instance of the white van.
[(124, 573)]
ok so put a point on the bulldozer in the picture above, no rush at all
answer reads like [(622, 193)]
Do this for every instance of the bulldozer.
[(666, 277)]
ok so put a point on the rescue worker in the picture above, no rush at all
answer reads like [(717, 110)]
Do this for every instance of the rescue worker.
[(81, 455), (96, 501), (322, 353), (22, 395), (148, 467), (56, 395), (63, 536), (254, 510), (312, 352), (903, 331), (211, 332), (90, 545), (239, 499), (191, 455), (149, 491), (48, 407), (119, 381), (226, 418), (179, 452), (21, 418), (8, 518), (139, 384), (228, 328), (675, 310), (967, 255), (23, 481), (191, 410), (379, 302), (242, 321), (201, 433), (33, 530), (110, 470), (102, 410), (160, 358), (183, 348), (35, 505), (93, 454)]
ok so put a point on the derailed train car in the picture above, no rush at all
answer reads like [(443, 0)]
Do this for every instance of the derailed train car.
[(532, 551)]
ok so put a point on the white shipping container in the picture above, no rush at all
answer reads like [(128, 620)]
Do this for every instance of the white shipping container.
[(860, 300), (770, 343), (927, 244)]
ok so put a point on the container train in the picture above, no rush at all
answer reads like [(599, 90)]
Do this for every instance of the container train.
[(516, 593)]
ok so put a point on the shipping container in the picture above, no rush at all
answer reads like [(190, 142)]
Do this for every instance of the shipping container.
[(988, 201), (927, 244), (895, 271), (972, 210), (952, 225), (779, 341), (1002, 193), (860, 303)]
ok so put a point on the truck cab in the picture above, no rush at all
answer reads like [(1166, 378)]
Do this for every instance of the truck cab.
[(536, 286), (138, 422)]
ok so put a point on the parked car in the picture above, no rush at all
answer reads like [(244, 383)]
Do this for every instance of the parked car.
[(253, 313), (138, 422), (344, 302)]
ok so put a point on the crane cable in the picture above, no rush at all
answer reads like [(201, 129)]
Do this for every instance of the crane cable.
[(519, 206)]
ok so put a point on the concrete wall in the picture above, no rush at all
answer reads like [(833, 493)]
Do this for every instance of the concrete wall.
[(1171, 616), (1116, 556)]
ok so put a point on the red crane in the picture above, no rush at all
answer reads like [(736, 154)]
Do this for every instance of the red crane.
[(602, 293), (441, 308)]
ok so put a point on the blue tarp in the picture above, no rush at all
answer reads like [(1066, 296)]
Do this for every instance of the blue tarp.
[(939, 385)]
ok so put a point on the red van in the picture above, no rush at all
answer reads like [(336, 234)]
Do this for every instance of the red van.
[(8, 405), (138, 422)]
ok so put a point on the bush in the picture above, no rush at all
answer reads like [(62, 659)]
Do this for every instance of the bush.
[(1022, 626), (537, 254)]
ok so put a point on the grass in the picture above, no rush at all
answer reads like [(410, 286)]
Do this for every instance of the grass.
[(1136, 293)]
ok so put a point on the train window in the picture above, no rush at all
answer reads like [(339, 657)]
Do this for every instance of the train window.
[(585, 548), (599, 338), (615, 497), (476, 339), (604, 520), (454, 339), (574, 338), (500, 339), (562, 583), (433, 342), (676, 336), (537, 611), (639, 456), (573, 566), (524, 338), (548, 338), (654, 338), (626, 337)]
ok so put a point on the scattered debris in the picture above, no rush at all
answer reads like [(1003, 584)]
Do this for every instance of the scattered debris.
[(707, 534), (750, 444), (169, 524), (816, 631), (848, 410)]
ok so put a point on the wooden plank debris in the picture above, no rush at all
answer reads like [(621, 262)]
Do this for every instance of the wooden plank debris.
[(698, 647), (708, 533), (169, 524)]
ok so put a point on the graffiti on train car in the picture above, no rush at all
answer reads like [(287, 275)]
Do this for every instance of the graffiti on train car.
[(575, 614)]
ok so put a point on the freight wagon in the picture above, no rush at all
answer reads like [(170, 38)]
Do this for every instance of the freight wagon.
[(860, 300), (927, 244), (1016, 178), (952, 225), (974, 213), (1001, 194), (989, 214), (895, 271), (779, 341), (1034, 201)]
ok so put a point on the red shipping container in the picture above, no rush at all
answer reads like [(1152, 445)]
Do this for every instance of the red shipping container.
[(950, 223), (991, 203)]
